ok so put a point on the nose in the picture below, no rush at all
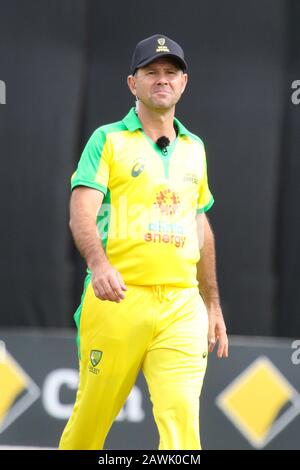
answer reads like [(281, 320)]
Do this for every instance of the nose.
[(162, 79)]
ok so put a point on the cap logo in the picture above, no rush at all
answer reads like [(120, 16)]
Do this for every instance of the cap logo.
[(161, 46)]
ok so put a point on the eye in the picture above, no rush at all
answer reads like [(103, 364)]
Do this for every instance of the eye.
[(171, 73)]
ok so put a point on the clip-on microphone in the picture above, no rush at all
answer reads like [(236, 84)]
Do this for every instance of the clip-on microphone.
[(163, 142)]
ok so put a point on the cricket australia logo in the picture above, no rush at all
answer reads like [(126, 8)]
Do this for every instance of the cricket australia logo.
[(95, 357), (162, 45)]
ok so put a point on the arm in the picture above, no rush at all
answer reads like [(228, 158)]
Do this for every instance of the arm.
[(84, 206), (208, 287)]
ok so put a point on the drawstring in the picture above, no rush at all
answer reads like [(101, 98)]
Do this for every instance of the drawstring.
[(159, 292)]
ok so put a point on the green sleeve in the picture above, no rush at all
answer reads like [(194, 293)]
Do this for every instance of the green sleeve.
[(93, 166), (205, 199)]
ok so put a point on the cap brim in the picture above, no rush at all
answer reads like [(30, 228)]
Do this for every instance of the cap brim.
[(182, 64)]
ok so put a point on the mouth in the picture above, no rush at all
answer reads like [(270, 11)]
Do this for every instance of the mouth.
[(162, 92)]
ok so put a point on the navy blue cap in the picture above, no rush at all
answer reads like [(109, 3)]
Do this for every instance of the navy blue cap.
[(154, 47)]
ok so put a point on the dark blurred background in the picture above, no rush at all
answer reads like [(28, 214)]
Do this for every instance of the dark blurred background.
[(65, 64)]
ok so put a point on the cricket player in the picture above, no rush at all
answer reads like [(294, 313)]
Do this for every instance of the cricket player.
[(138, 216)]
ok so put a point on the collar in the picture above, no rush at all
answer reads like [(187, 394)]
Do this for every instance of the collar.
[(132, 122)]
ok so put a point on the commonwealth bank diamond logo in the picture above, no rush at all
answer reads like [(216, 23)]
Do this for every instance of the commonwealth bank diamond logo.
[(18, 391), (260, 402)]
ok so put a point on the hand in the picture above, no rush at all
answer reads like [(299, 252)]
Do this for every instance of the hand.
[(217, 331), (108, 283)]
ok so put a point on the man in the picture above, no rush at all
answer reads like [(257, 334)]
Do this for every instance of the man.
[(141, 308)]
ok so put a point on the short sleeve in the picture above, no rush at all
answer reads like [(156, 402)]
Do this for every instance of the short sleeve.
[(93, 166), (205, 199)]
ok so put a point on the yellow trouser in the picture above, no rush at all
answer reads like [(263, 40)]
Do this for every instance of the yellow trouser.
[(159, 329)]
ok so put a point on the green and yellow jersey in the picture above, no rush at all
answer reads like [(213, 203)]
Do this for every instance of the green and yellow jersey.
[(147, 221)]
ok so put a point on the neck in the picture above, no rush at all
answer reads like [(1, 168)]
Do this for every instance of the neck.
[(157, 123)]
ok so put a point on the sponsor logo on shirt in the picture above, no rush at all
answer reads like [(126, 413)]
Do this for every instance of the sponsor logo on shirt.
[(138, 167), (168, 204)]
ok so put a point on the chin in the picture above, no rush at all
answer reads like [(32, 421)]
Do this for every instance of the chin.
[(163, 105)]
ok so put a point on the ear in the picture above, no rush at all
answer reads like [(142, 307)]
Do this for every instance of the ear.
[(131, 84), (185, 80)]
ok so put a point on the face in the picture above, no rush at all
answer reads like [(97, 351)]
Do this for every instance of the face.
[(158, 85)]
